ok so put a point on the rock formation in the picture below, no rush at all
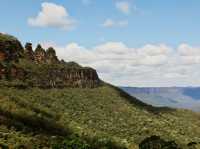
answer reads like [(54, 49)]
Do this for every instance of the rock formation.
[(51, 57), (17, 73), (41, 68), (10, 48), (3, 55), (40, 54), (29, 54), (2, 71)]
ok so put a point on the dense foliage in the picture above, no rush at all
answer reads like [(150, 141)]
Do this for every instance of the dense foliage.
[(94, 117)]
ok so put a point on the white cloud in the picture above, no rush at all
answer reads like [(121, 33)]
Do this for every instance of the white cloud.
[(189, 55), (52, 15), (187, 50), (149, 65), (123, 6), (114, 52), (154, 50), (108, 23)]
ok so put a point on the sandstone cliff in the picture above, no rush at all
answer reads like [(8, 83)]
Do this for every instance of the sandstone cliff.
[(40, 67)]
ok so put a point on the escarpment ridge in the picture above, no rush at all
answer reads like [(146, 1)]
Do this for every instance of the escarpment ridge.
[(40, 67)]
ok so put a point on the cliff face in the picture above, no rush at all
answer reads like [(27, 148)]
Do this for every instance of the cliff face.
[(66, 77), (41, 68), (1, 70)]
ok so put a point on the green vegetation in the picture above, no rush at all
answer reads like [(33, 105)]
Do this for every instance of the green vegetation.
[(51, 117), (6, 37)]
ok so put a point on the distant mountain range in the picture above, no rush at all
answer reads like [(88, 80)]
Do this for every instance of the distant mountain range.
[(176, 97)]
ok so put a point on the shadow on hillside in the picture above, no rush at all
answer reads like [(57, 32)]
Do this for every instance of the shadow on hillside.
[(33, 123), (140, 104), (155, 142), (67, 138)]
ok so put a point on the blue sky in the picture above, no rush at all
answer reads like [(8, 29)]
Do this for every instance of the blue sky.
[(129, 42), (155, 21)]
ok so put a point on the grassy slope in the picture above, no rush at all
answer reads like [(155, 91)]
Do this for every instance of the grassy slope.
[(103, 111)]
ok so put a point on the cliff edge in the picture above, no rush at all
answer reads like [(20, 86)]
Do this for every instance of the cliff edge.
[(23, 66)]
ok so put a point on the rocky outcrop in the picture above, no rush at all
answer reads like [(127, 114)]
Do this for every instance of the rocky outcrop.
[(86, 77), (12, 73), (10, 48), (28, 52), (40, 54), (70, 77), (17, 73), (51, 57), (3, 56), (2, 71), (41, 68), (10, 52)]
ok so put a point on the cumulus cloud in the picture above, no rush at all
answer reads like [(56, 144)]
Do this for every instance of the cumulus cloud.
[(189, 55), (189, 60), (108, 23), (187, 50), (149, 65), (114, 52), (154, 50), (52, 15), (123, 6)]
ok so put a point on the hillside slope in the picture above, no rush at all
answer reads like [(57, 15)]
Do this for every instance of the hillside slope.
[(102, 111)]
